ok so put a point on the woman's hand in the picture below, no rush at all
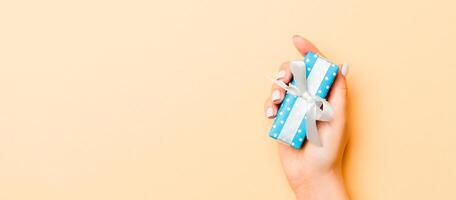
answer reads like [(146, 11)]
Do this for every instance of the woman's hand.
[(314, 172)]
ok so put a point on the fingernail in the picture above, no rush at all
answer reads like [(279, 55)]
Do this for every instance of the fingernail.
[(344, 69), (281, 74), (269, 112), (296, 37), (276, 95)]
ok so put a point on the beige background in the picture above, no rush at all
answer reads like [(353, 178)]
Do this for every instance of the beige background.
[(164, 99)]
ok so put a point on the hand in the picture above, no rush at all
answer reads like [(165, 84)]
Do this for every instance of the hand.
[(314, 172)]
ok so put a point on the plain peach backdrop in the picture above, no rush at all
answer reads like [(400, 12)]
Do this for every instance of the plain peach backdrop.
[(164, 99)]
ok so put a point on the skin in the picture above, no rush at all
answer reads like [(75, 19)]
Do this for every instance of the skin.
[(315, 172)]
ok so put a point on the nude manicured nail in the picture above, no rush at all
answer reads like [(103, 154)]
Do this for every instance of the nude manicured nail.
[(276, 95), (281, 74), (344, 69), (269, 112), (297, 37)]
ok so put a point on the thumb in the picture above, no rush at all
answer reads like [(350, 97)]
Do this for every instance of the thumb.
[(303, 45), (338, 94)]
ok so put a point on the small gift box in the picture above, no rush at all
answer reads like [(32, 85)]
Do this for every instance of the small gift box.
[(297, 115)]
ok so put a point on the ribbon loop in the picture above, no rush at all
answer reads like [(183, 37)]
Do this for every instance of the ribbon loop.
[(317, 109)]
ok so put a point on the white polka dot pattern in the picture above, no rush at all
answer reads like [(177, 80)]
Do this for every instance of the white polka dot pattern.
[(288, 105)]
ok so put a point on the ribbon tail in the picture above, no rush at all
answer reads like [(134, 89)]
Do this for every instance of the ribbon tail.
[(291, 89), (325, 114), (311, 127), (299, 71)]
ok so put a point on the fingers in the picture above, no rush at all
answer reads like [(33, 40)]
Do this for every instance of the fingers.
[(270, 108), (303, 45), (338, 93), (284, 73), (277, 93)]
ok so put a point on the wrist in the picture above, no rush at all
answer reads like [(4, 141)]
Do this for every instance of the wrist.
[(328, 185)]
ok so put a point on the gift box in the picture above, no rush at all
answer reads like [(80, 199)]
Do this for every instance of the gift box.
[(290, 123)]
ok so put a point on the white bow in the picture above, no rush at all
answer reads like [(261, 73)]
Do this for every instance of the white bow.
[(317, 109)]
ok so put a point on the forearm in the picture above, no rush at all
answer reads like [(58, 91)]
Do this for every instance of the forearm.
[(329, 186)]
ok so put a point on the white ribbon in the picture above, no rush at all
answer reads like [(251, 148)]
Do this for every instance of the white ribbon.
[(317, 109)]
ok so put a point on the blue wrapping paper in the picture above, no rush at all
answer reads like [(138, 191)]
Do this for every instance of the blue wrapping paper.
[(321, 74)]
